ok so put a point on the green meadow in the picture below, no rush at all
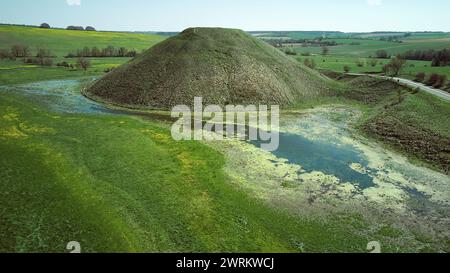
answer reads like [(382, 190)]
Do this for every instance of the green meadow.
[(365, 48), (13, 72), (337, 63), (61, 42)]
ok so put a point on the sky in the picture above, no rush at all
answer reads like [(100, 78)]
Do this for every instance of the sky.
[(249, 15)]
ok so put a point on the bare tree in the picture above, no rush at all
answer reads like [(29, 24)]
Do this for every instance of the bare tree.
[(20, 51), (83, 63), (395, 66), (325, 50), (123, 52)]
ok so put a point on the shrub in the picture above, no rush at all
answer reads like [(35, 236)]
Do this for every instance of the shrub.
[(447, 88), (373, 62), (83, 63), (360, 63), (89, 28), (290, 51), (420, 77), (44, 25), (415, 90), (346, 68), (63, 64), (382, 54), (310, 63), (441, 80), (109, 69), (433, 79)]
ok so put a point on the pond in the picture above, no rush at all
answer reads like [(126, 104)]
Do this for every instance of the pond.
[(329, 158)]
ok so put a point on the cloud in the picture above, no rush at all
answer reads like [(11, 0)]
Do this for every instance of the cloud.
[(73, 2), (374, 3)]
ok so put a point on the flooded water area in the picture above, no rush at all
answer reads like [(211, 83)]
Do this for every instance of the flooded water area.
[(324, 167)]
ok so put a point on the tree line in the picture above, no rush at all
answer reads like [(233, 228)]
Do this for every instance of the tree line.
[(23, 51), (304, 42), (109, 51), (436, 57), (88, 28)]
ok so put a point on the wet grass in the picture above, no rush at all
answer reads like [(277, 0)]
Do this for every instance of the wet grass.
[(14, 72)]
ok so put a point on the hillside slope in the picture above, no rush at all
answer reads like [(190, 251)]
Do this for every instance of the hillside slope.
[(221, 65), (61, 42)]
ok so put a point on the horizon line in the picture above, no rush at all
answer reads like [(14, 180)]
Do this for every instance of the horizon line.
[(273, 30)]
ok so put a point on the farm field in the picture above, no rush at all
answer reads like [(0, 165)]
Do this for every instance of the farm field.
[(61, 42), (367, 48), (337, 63)]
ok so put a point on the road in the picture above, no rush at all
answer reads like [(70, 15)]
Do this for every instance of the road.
[(412, 84)]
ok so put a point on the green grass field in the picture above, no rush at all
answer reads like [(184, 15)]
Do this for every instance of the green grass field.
[(62, 42), (362, 47), (368, 47), (12, 72), (337, 63)]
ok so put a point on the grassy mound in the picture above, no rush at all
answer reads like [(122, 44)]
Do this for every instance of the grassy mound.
[(221, 65)]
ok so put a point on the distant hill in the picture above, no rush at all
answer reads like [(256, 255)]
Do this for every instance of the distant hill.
[(221, 65), (60, 42)]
